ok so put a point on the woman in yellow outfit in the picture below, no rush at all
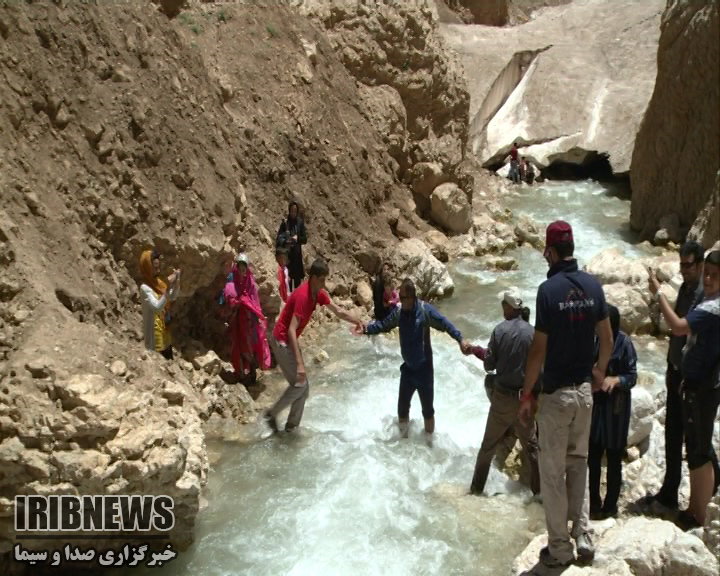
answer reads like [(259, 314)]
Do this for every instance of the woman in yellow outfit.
[(156, 298)]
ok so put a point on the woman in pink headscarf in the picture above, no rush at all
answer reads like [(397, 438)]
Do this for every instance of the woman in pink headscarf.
[(250, 348)]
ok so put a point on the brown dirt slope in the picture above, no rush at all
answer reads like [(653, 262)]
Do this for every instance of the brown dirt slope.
[(121, 129), (116, 136)]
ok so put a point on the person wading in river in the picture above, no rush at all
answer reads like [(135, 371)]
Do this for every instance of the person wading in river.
[(414, 318), (571, 309), (507, 353), (285, 346)]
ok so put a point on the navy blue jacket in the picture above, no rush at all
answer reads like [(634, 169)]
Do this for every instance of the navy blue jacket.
[(414, 332)]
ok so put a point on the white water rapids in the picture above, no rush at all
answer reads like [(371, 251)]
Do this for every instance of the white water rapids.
[(347, 496)]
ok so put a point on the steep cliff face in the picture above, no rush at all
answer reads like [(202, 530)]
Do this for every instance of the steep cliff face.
[(398, 47), (119, 130), (569, 86), (677, 150)]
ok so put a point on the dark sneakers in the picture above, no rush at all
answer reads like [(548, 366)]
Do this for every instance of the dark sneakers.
[(549, 561), (585, 548), (270, 421), (686, 522)]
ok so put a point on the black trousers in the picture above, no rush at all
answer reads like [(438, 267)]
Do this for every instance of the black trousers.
[(674, 438), (614, 477)]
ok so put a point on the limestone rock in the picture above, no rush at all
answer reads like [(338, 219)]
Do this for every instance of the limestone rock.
[(439, 244), (321, 357), (364, 294), (677, 151), (119, 368), (412, 258), (208, 362), (602, 70), (426, 177), (450, 208), (641, 416), (633, 306), (637, 546), (712, 527), (369, 260)]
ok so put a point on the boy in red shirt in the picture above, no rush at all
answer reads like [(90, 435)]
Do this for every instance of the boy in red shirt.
[(284, 343)]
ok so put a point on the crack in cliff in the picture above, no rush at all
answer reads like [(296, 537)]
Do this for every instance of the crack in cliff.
[(504, 85)]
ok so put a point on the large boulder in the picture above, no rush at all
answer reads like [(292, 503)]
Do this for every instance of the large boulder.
[(450, 208), (635, 547), (677, 150), (595, 57), (411, 258), (625, 282), (634, 308), (641, 416)]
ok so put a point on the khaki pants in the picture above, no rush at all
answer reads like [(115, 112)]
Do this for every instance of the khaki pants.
[(503, 417), (564, 419), (295, 394)]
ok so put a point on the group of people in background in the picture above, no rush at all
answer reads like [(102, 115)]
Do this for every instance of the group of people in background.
[(561, 387), (521, 169)]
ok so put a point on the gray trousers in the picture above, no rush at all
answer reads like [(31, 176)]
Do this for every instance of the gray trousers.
[(296, 393), (564, 419), (503, 417)]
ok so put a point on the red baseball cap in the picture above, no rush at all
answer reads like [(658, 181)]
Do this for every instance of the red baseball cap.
[(559, 231)]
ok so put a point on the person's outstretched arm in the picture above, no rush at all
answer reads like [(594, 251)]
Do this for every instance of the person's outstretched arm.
[(438, 322), (343, 314), (389, 323)]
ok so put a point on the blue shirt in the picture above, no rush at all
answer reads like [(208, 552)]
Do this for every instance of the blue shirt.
[(414, 332), (702, 351), (570, 303)]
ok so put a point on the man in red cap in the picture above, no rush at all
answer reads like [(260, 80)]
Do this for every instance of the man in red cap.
[(571, 310)]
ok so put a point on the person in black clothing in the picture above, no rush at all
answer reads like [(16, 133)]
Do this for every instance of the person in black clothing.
[(689, 296), (292, 235), (700, 386), (381, 311), (611, 420)]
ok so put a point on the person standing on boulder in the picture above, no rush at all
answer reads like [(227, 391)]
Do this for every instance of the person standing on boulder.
[(292, 235), (689, 296), (507, 353), (571, 309), (611, 420), (156, 298), (699, 387), (285, 343), (414, 318)]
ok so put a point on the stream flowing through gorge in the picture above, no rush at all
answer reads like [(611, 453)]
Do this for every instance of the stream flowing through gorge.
[(347, 495)]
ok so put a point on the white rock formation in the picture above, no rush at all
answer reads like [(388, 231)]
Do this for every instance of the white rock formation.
[(635, 547), (412, 258), (574, 81), (450, 208)]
